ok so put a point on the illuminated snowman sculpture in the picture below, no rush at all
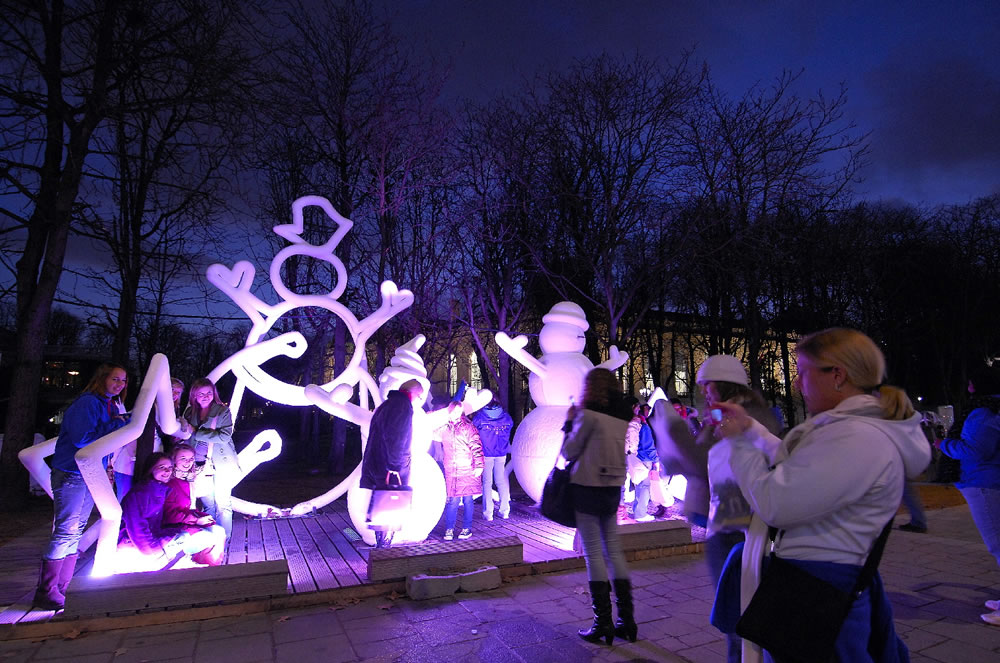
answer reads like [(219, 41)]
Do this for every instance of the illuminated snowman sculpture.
[(246, 364), (426, 478), (555, 382)]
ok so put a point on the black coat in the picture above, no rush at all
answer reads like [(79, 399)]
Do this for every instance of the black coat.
[(389, 438)]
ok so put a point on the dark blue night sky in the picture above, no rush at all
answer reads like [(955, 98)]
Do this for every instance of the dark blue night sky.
[(922, 76)]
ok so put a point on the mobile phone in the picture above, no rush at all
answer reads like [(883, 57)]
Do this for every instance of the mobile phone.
[(716, 415)]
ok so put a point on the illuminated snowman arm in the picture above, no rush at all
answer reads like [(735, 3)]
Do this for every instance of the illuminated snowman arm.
[(394, 300), (236, 283), (655, 397), (476, 399), (515, 348), (337, 403), (615, 359)]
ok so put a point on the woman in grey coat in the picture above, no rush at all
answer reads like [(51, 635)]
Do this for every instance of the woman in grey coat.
[(595, 435)]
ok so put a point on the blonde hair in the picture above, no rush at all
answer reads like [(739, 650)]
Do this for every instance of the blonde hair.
[(863, 362), (98, 383), (199, 384)]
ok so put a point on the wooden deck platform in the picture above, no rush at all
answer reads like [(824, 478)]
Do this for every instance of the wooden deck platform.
[(328, 561)]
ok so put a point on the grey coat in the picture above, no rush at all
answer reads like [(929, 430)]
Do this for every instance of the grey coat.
[(597, 443)]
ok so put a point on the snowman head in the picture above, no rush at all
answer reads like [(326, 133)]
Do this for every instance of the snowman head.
[(563, 329)]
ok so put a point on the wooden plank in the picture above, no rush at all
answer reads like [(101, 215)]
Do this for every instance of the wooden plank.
[(236, 551), (333, 524), (533, 551), (180, 587), (341, 570), (272, 548), (318, 566), (255, 542), (386, 564), (298, 570), (18, 609)]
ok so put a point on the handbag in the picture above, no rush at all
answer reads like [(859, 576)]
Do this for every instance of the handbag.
[(796, 616), (390, 505), (557, 497), (557, 493)]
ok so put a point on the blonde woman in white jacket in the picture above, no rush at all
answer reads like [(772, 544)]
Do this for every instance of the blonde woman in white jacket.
[(836, 481)]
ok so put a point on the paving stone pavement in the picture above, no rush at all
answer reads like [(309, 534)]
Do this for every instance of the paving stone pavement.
[(937, 582)]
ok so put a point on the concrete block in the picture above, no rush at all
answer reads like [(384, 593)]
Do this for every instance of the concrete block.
[(487, 577), (421, 587)]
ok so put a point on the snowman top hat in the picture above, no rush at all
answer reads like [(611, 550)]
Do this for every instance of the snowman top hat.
[(569, 313)]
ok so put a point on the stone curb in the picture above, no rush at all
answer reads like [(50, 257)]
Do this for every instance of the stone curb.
[(421, 586)]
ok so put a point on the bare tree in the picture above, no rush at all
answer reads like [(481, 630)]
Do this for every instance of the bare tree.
[(366, 115), (748, 161), (499, 183), (611, 154), (60, 70)]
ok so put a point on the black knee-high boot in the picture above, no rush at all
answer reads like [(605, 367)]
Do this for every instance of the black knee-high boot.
[(603, 628), (625, 626)]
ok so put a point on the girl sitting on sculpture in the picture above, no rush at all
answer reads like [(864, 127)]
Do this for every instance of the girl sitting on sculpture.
[(143, 525), (179, 511), (216, 463)]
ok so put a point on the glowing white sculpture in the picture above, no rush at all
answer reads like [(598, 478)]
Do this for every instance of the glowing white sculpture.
[(246, 364), (556, 380), (237, 282), (155, 389), (425, 474)]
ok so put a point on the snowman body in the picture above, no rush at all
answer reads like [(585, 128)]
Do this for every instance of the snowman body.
[(555, 383)]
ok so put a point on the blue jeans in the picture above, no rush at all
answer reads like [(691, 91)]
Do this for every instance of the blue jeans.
[(493, 472), (717, 549), (641, 507), (218, 503), (451, 511), (911, 500), (600, 540), (984, 504), (192, 542), (123, 483), (72, 506)]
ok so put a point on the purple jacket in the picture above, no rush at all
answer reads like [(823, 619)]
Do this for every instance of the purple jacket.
[(142, 517), (494, 427)]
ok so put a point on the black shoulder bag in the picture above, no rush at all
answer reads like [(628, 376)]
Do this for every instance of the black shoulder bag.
[(557, 494), (796, 616)]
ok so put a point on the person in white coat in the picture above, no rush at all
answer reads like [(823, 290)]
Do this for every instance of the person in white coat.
[(835, 482)]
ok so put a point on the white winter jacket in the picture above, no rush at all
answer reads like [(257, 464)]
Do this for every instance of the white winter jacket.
[(837, 480)]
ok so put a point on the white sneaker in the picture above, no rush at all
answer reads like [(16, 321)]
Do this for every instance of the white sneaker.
[(645, 519), (465, 534), (487, 517), (449, 534), (992, 618), (993, 605), (505, 516)]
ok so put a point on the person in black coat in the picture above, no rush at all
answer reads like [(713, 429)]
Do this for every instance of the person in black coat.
[(388, 448)]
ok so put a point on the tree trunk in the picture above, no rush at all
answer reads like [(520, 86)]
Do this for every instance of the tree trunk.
[(46, 246)]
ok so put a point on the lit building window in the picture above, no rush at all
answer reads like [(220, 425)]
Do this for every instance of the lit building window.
[(681, 379), (452, 374), (647, 384), (475, 375)]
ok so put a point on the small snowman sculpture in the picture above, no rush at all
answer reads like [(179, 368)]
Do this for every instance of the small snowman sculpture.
[(556, 381), (426, 477)]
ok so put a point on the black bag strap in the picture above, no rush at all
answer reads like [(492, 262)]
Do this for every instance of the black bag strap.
[(567, 429), (871, 564)]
